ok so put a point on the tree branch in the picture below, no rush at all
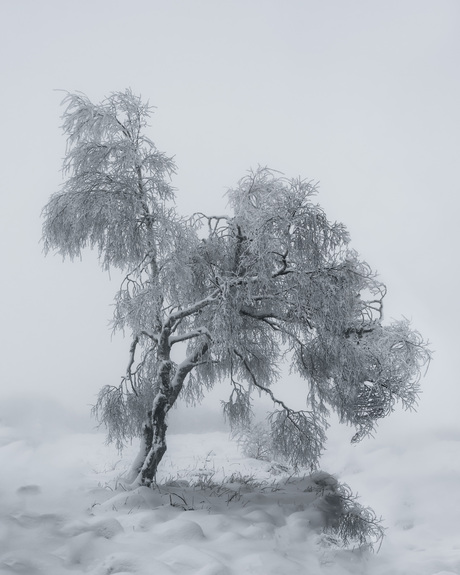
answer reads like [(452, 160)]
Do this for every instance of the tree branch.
[(289, 412), (189, 335), (129, 373), (184, 368), (180, 314)]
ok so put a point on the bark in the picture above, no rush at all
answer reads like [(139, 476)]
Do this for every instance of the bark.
[(153, 444), (155, 441)]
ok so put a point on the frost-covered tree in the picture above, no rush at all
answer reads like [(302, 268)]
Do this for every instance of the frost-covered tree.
[(227, 297)]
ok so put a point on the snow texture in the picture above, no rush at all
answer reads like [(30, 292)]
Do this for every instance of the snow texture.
[(63, 508)]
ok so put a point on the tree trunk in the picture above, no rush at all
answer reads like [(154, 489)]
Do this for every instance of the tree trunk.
[(155, 440), (153, 443)]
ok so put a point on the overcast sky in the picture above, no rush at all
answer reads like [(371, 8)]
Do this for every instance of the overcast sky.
[(362, 96)]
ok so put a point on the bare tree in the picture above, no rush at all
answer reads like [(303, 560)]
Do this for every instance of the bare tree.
[(241, 294)]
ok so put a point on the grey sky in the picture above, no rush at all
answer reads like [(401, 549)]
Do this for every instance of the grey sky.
[(360, 95)]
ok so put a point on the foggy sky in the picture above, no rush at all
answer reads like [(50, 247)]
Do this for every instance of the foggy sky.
[(361, 96)]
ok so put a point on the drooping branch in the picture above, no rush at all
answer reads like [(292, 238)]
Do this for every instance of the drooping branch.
[(290, 414), (257, 384), (238, 409)]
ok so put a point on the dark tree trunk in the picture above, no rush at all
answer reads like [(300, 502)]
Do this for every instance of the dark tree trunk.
[(155, 441), (153, 445)]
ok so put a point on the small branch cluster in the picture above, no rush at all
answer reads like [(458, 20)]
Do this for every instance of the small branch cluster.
[(348, 523)]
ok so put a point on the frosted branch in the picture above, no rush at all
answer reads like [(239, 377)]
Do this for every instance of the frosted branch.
[(189, 335)]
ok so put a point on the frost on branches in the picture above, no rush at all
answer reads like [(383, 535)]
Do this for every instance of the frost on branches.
[(271, 282)]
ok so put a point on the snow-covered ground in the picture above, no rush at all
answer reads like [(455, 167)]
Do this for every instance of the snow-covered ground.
[(64, 510)]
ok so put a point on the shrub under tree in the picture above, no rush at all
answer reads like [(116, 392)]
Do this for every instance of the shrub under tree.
[(236, 295)]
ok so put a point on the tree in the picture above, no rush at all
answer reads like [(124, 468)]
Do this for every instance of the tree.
[(239, 295)]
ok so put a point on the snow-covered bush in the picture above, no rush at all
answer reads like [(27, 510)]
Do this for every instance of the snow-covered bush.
[(256, 442)]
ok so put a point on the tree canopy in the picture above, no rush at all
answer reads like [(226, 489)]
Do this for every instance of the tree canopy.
[(270, 283)]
